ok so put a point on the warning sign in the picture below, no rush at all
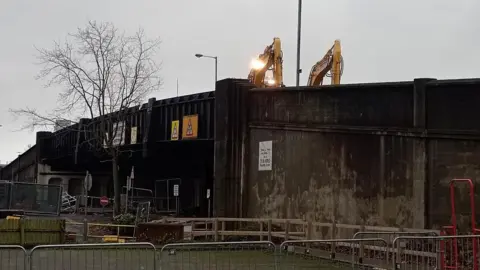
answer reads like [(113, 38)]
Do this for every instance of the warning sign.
[(190, 127), (175, 127)]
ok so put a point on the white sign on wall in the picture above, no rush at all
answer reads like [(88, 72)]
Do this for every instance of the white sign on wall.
[(175, 190), (133, 135), (265, 156)]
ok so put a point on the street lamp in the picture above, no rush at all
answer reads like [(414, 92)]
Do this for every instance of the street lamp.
[(299, 33), (198, 55)]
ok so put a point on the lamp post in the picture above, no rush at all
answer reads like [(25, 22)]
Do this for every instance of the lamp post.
[(198, 55), (299, 33)]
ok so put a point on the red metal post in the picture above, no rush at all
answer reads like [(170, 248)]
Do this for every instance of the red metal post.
[(453, 227)]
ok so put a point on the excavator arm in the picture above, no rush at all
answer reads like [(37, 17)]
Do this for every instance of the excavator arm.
[(332, 62), (270, 59)]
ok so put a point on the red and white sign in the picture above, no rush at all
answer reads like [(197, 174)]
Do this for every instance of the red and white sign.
[(103, 201)]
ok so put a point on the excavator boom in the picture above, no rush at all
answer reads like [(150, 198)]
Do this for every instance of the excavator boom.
[(270, 59), (332, 62)]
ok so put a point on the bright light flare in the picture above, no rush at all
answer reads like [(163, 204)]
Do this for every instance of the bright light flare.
[(271, 82), (257, 64)]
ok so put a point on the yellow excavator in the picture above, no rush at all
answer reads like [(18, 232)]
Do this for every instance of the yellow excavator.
[(270, 59), (332, 62)]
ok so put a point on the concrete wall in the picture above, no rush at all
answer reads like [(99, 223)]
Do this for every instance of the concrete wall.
[(22, 169), (329, 161), (373, 154), (342, 177), (72, 181)]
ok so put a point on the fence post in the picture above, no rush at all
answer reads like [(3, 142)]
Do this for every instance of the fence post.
[(224, 228), (22, 231), (269, 228), (85, 230), (206, 229), (215, 228), (398, 250), (362, 246), (309, 232), (287, 229), (261, 230), (334, 236), (192, 225)]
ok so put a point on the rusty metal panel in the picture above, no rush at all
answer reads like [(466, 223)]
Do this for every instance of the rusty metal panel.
[(378, 105)]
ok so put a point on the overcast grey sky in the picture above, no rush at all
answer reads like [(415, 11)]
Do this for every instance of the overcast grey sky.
[(382, 40)]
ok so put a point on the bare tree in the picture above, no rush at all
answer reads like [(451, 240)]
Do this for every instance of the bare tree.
[(102, 72)]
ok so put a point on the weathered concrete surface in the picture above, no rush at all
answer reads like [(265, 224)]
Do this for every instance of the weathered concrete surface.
[(452, 159), (352, 179), (332, 162), (373, 154)]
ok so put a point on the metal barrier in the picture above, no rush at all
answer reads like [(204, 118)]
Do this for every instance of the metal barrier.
[(31, 197), (109, 256), (390, 236), (219, 255), (333, 254), (84, 232), (435, 252), (13, 257)]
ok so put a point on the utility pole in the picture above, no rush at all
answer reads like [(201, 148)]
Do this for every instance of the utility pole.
[(299, 37)]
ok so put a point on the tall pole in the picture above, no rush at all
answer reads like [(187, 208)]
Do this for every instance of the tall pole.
[(199, 55), (299, 33), (216, 72)]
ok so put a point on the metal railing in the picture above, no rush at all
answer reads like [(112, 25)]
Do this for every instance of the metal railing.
[(98, 232), (337, 254)]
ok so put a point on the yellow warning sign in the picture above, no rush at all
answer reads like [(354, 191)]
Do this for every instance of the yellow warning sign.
[(190, 127), (175, 127)]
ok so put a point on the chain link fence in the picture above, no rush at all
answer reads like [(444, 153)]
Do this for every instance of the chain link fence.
[(30, 198)]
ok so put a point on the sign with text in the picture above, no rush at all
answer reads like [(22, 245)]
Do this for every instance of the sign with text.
[(103, 201), (176, 189), (175, 130), (133, 135), (265, 156), (190, 127)]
